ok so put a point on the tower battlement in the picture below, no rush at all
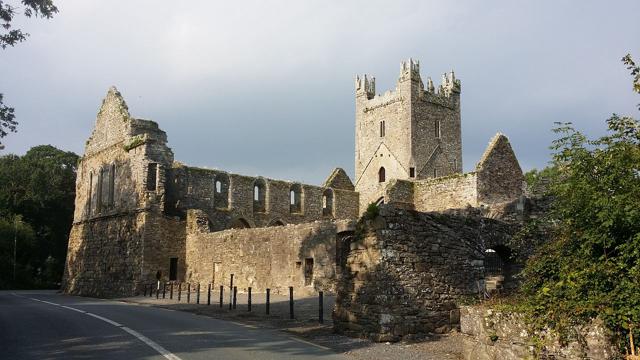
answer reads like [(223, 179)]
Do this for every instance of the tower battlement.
[(366, 85)]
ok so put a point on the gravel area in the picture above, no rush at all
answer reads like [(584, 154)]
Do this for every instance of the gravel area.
[(306, 325)]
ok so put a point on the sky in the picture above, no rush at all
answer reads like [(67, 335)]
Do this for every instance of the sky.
[(267, 87)]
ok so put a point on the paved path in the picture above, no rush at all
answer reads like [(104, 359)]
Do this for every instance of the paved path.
[(45, 325)]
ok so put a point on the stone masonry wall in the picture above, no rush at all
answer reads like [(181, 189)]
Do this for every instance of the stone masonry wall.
[(493, 335), (105, 256), (452, 192), (411, 127), (261, 258), (195, 188), (405, 274)]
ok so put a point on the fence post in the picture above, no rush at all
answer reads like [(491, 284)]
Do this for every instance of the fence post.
[(321, 307), (231, 293), (198, 295), (249, 300), (290, 302), (235, 296), (221, 294), (209, 294), (171, 291), (179, 291), (188, 292), (164, 290), (268, 300)]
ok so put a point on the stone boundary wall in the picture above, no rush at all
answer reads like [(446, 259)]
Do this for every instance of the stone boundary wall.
[(452, 192), (408, 270), (261, 258), (195, 188), (495, 335)]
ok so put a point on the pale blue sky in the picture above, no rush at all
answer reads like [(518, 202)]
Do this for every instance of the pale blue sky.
[(266, 87)]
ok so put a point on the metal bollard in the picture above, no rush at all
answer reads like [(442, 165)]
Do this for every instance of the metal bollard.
[(164, 289), (157, 293), (209, 295), (145, 291), (321, 307), (221, 294), (179, 291), (171, 291), (268, 300), (290, 302), (188, 292), (249, 300), (235, 296), (198, 294), (231, 293)]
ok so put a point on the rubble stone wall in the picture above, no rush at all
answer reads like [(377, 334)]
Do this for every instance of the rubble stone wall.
[(492, 335), (261, 258), (407, 270)]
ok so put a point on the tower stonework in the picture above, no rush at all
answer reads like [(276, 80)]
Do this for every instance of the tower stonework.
[(411, 133)]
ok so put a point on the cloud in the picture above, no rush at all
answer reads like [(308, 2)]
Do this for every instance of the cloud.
[(267, 87)]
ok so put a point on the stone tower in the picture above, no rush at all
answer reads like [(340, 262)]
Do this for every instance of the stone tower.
[(410, 133)]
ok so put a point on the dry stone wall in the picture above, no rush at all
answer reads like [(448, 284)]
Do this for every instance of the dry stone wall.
[(493, 335), (302, 256), (405, 273)]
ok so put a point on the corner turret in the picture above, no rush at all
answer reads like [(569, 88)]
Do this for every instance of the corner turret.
[(366, 86)]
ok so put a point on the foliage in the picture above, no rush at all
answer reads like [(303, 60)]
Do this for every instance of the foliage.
[(10, 37), (591, 266), (635, 72), (372, 212), (39, 187), (538, 180)]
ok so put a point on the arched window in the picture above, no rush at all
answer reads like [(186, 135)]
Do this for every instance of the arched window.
[(276, 223), (295, 198), (259, 195), (327, 202), (381, 175), (240, 223), (221, 191)]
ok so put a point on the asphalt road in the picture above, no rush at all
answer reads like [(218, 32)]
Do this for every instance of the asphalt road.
[(44, 325)]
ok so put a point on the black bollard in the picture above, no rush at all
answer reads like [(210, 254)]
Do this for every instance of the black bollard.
[(221, 294), (231, 293), (171, 291), (198, 294), (145, 291), (249, 300), (164, 290), (179, 291), (235, 296), (188, 292), (157, 292), (290, 302), (321, 307), (209, 295), (268, 300)]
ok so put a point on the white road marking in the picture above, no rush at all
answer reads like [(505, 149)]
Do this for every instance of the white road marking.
[(103, 319), (155, 346), (309, 343), (164, 352)]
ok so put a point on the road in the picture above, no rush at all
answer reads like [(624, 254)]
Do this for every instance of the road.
[(45, 325)]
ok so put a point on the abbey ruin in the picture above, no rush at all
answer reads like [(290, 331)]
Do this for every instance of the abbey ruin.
[(139, 213)]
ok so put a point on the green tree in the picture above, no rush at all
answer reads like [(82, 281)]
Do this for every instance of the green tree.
[(10, 37), (591, 266), (40, 187)]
